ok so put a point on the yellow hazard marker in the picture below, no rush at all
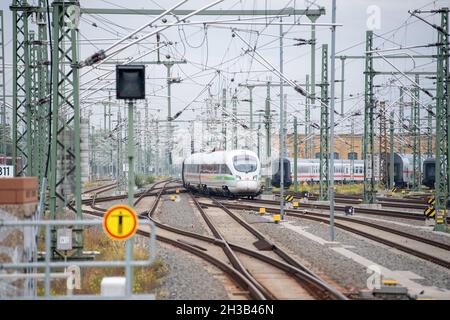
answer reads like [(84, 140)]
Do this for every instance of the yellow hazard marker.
[(173, 198), (276, 218), (262, 211), (120, 222), (389, 282), (295, 205)]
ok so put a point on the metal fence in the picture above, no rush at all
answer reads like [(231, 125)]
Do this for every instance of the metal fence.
[(72, 267)]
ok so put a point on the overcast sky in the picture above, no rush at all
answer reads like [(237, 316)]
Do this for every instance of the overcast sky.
[(216, 45)]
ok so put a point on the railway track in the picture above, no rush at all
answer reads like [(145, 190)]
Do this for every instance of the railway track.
[(216, 249), (378, 212), (101, 189), (383, 201), (433, 251), (223, 228)]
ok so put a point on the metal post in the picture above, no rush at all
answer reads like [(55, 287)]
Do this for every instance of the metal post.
[(442, 150), (391, 151), (416, 138), (250, 89), (308, 140), (312, 92), (282, 156), (259, 136), (268, 137), (383, 173), (331, 148), (19, 102), (147, 162), (368, 145), (324, 126), (295, 155), (430, 131), (119, 149), (352, 151), (342, 83), (234, 98), (129, 243), (4, 137), (169, 118), (224, 122), (401, 114)]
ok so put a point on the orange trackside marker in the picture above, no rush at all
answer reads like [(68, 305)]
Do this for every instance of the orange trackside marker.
[(262, 211)]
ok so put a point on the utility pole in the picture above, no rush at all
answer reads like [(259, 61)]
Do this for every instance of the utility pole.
[(442, 168), (282, 139), (21, 120), (324, 126), (4, 137), (352, 151), (224, 122), (65, 53), (268, 138), (416, 137), (119, 149), (129, 242), (401, 114), (332, 95), (383, 151), (308, 139), (430, 131), (295, 155), (342, 83), (259, 137), (369, 106), (391, 149), (234, 103)]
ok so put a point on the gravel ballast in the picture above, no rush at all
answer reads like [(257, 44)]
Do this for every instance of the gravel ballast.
[(187, 278), (340, 269)]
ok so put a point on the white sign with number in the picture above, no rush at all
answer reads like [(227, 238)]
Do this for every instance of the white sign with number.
[(6, 171)]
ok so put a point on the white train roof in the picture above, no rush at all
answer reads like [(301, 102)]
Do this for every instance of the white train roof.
[(217, 157)]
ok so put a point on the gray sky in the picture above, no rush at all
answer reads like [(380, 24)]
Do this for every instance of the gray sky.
[(216, 45)]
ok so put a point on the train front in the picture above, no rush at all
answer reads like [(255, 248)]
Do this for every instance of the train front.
[(246, 170)]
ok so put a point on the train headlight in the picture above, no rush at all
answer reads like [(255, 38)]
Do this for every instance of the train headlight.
[(238, 177), (255, 177)]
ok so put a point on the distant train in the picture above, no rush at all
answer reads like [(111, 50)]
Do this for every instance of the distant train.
[(429, 173), (229, 173), (308, 170), (287, 176)]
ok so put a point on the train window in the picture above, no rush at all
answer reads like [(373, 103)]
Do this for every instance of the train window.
[(245, 163), (352, 156), (224, 169)]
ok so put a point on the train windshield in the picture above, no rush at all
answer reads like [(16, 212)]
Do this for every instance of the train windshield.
[(245, 163)]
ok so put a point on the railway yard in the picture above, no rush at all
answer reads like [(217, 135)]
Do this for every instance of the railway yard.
[(248, 256)]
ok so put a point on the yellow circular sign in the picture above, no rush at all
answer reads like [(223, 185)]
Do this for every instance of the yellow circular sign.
[(120, 222)]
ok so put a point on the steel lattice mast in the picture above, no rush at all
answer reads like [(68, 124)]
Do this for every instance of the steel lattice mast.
[(442, 150), (65, 170), (324, 127)]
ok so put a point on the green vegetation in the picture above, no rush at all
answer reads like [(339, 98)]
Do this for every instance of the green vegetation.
[(142, 180), (146, 279)]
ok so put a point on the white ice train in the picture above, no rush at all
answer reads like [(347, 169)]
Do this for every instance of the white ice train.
[(230, 173)]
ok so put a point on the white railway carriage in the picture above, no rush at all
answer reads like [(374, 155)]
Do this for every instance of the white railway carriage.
[(308, 170), (235, 172)]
